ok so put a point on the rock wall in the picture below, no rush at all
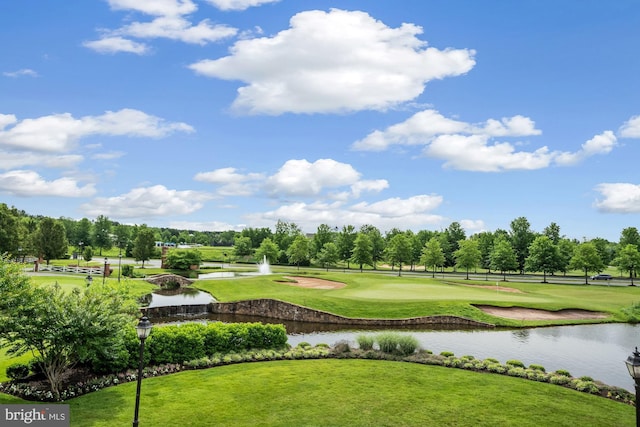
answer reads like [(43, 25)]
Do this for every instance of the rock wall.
[(285, 311)]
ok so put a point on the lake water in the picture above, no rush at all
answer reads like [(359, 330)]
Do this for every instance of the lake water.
[(598, 351)]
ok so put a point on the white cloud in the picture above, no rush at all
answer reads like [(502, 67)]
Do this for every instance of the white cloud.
[(19, 159), (177, 28), (375, 185), (474, 153), (156, 7), (302, 178), (116, 44), (599, 144), (19, 73), (414, 214), (630, 128), (335, 61), (619, 198), (108, 156), (238, 4), (145, 202), (60, 132), (24, 183), (206, 226), (473, 146), (231, 182), (169, 22), (472, 226), (420, 128)]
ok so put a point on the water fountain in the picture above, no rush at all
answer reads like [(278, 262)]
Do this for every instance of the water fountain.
[(264, 267)]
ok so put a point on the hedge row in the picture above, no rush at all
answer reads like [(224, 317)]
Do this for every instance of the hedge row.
[(180, 343)]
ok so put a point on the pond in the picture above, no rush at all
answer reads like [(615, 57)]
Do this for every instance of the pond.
[(598, 351), (180, 296)]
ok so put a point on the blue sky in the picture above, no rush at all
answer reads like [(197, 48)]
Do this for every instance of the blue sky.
[(224, 114)]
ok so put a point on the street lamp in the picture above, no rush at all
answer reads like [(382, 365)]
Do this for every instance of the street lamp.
[(633, 365), (143, 330), (89, 280), (104, 270), (119, 264)]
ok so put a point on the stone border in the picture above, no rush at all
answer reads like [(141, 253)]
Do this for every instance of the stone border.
[(276, 309)]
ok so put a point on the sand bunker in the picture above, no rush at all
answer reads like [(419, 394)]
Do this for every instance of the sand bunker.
[(311, 282), (520, 313)]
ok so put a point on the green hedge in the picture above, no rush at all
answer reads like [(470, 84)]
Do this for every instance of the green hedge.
[(180, 343)]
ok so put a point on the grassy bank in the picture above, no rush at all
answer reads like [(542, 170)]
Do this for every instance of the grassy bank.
[(370, 295), (344, 392)]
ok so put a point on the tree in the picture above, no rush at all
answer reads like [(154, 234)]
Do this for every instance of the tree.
[(324, 234), (399, 251), (144, 244), (543, 256), (267, 249), (102, 233), (586, 258), (565, 253), (629, 236), (521, 237), (285, 234), (628, 259), (432, 254), (468, 255), (328, 255), (51, 240), (485, 244), (346, 240), (87, 254), (179, 259), (503, 257), (242, 246), (377, 242), (454, 234), (122, 234), (9, 231), (362, 251), (552, 231), (61, 328), (298, 251), (83, 233)]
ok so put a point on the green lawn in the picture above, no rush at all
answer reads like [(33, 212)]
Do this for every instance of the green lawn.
[(344, 393), (372, 295)]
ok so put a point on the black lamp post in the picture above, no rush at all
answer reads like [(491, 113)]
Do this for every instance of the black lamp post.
[(119, 264), (89, 280), (633, 365), (143, 329), (104, 270)]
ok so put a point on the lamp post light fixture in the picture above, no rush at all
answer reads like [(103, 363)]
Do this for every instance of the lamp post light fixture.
[(143, 330), (104, 270), (633, 365), (89, 280)]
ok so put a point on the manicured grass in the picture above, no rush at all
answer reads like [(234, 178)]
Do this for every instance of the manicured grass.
[(345, 393), (372, 295)]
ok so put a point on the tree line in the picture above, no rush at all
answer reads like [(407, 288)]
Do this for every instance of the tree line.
[(518, 248)]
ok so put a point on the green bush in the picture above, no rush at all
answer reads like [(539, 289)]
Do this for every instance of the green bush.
[(447, 354), (17, 371), (388, 342), (515, 363), (365, 342), (407, 345), (127, 270), (537, 368), (562, 372)]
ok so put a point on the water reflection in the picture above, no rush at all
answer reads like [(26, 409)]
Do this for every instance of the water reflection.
[(180, 296)]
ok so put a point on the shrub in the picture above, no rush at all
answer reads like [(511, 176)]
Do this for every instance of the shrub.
[(563, 373), (537, 368), (388, 342), (585, 378), (365, 342), (17, 371), (517, 372), (490, 360), (127, 270), (559, 379), (304, 344), (447, 354), (407, 345), (515, 363)]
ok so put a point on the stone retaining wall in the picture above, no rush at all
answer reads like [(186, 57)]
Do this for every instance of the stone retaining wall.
[(285, 311)]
